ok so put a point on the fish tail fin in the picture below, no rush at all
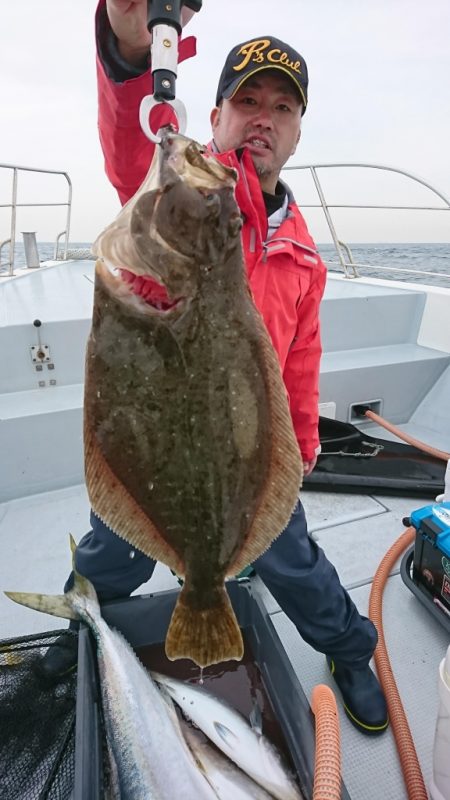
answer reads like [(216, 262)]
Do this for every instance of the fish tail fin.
[(81, 584), (57, 605), (206, 636)]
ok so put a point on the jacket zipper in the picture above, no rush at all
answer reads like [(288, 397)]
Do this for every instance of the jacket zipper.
[(252, 243), (266, 245)]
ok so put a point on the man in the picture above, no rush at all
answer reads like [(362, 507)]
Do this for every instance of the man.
[(256, 124)]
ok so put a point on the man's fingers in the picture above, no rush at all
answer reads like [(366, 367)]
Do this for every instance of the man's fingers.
[(128, 19)]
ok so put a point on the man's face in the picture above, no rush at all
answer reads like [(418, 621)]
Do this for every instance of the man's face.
[(265, 116)]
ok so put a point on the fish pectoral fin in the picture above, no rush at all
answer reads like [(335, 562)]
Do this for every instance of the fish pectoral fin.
[(255, 718), (227, 735), (57, 605), (206, 636)]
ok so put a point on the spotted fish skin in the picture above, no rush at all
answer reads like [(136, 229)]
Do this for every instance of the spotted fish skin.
[(190, 451)]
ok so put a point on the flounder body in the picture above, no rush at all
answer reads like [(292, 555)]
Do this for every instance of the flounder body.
[(190, 452)]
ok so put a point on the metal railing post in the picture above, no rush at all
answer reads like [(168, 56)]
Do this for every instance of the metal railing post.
[(325, 206), (56, 248), (12, 236), (2, 245), (14, 205), (69, 211), (328, 219), (350, 259)]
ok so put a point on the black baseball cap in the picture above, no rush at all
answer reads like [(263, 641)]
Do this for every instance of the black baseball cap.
[(250, 57)]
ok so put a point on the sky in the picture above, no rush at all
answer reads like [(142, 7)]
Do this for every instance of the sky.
[(379, 93)]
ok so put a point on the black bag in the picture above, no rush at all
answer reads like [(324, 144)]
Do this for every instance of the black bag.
[(352, 461)]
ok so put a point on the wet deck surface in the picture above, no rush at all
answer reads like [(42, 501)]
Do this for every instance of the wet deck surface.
[(355, 531)]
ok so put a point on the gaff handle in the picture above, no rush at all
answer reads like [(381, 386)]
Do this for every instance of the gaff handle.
[(164, 23)]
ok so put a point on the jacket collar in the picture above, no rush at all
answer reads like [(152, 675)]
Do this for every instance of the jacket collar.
[(214, 149), (251, 203)]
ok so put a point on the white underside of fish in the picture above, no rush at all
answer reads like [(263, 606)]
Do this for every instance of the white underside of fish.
[(229, 782), (233, 735)]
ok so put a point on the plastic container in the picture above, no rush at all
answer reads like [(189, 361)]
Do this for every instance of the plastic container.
[(144, 621), (440, 782), (445, 497)]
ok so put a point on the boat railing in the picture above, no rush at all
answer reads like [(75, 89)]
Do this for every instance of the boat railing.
[(7, 267), (345, 260), (344, 254)]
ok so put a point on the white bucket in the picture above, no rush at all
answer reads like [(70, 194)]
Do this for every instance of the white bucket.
[(445, 498), (440, 782)]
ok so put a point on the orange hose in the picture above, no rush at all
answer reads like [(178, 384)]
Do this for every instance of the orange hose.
[(327, 764), (412, 773), (432, 451)]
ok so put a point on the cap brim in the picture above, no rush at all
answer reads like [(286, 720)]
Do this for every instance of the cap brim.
[(236, 85)]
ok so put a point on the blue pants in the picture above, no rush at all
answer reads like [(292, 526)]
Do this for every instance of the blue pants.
[(294, 569)]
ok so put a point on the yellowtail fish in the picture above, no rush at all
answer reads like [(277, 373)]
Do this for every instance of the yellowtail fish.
[(149, 758)]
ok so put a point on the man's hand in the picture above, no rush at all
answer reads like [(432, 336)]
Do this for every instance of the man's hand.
[(128, 19), (308, 466)]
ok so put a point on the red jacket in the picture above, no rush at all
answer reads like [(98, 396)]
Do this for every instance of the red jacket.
[(286, 275)]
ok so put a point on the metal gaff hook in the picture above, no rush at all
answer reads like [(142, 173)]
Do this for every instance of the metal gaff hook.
[(148, 103)]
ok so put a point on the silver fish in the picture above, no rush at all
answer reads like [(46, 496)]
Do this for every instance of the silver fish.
[(150, 758), (251, 751), (229, 782)]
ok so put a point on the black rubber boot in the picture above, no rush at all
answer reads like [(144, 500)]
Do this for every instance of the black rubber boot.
[(61, 657), (364, 701)]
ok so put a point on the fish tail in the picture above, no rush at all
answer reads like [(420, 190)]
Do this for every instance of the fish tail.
[(206, 636), (57, 605), (62, 605)]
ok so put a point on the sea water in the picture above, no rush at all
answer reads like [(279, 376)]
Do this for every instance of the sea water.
[(428, 258)]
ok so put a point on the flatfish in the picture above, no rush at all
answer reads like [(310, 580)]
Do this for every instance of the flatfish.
[(190, 453)]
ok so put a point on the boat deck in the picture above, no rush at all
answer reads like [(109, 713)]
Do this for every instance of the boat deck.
[(354, 530), (385, 343)]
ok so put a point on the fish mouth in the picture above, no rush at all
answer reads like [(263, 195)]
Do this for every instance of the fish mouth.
[(121, 284), (184, 213), (193, 163)]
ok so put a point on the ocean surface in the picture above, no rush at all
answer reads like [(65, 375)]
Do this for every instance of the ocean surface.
[(431, 259)]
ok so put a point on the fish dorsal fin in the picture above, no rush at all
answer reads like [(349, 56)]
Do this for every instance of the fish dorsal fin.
[(256, 718), (284, 479), (115, 506)]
